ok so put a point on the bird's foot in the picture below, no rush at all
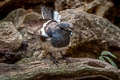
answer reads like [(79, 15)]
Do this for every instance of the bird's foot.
[(65, 58), (52, 58)]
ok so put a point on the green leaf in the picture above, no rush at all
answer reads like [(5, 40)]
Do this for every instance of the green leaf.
[(101, 58), (107, 53), (110, 61)]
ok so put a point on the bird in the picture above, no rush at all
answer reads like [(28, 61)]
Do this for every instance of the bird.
[(54, 34)]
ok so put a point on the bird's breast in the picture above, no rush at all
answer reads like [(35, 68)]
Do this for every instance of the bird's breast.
[(47, 46), (60, 39)]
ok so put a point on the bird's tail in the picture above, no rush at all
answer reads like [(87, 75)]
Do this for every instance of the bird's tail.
[(48, 13)]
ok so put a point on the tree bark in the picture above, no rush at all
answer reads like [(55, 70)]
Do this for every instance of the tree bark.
[(77, 69)]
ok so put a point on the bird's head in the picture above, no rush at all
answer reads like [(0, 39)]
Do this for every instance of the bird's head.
[(60, 35)]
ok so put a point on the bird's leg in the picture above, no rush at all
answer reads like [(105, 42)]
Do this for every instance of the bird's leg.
[(24, 45), (52, 58), (63, 57)]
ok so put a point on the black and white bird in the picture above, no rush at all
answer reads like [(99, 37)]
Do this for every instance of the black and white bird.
[(55, 35)]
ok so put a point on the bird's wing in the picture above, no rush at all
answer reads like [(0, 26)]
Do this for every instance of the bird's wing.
[(57, 16), (48, 13)]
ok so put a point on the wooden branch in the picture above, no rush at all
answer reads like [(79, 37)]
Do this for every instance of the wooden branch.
[(83, 68)]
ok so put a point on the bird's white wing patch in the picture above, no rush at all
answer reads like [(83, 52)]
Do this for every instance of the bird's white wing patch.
[(42, 15), (43, 33), (57, 16)]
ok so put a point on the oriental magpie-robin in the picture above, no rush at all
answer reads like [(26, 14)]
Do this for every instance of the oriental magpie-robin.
[(54, 34)]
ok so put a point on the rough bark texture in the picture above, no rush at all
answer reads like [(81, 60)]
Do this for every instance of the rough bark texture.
[(77, 69), (97, 7), (102, 8), (91, 32), (10, 38)]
